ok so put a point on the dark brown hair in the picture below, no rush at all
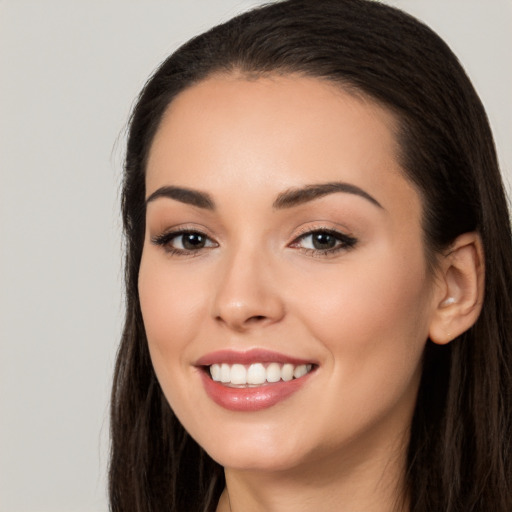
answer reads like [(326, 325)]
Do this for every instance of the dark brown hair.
[(459, 457)]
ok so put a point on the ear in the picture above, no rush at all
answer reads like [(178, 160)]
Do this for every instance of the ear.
[(459, 289)]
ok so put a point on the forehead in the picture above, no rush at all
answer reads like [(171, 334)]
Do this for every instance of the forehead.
[(270, 103), (276, 132)]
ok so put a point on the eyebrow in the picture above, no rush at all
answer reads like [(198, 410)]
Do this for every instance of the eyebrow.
[(287, 199), (297, 196), (184, 195)]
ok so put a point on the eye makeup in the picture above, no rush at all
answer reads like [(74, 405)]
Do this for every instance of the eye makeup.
[(323, 242), (184, 242), (315, 242)]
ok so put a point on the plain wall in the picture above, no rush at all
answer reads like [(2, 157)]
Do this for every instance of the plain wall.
[(69, 72)]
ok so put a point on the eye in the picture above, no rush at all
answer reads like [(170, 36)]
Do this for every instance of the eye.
[(183, 242), (324, 242)]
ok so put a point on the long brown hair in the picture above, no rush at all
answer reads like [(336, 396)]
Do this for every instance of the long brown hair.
[(459, 457)]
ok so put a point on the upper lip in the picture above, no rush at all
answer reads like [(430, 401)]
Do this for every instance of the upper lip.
[(251, 356)]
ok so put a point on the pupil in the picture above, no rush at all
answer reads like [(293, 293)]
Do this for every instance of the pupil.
[(323, 241), (193, 241)]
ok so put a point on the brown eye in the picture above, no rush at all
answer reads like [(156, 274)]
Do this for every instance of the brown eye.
[(323, 241), (184, 242), (192, 241)]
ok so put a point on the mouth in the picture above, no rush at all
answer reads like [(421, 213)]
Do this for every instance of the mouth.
[(252, 380), (256, 374)]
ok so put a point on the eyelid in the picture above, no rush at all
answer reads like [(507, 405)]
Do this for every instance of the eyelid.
[(346, 241), (337, 230), (177, 229), (164, 239)]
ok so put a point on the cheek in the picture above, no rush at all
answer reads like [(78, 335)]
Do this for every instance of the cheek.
[(373, 326), (172, 304), (371, 294), (372, 320)]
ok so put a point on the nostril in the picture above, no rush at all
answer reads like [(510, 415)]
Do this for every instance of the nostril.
[(256, 318), (243, 323)]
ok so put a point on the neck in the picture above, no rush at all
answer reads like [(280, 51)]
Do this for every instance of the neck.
[(364, 480)]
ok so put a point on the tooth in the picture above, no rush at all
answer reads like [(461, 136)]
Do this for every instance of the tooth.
[(224, 373), (215, 372), (273, 372), (238, 374), (287, 372), (256, 374), (300, 371)]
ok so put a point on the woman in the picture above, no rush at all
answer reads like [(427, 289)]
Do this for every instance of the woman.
[(318, 271)]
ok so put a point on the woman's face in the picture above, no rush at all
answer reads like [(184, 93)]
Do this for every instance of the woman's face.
[(283, 242)]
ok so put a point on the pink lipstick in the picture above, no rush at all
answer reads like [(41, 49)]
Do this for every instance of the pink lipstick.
[(252, 380)]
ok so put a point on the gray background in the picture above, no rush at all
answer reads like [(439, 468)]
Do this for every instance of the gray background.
[(69, 72)]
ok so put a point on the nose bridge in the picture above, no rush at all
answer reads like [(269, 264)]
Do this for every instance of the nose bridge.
[(245, 294)]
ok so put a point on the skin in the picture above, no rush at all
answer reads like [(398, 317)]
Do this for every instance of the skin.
[(362, 314)]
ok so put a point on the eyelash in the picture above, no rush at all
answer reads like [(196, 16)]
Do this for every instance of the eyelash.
[(164, 240), (343, 242)]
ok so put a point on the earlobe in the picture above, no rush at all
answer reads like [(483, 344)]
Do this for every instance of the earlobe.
[(460, 289)]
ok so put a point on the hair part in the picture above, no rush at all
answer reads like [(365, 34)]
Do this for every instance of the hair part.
[(459, 457)]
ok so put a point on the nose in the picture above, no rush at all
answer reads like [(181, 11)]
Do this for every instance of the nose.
[(247, 294)]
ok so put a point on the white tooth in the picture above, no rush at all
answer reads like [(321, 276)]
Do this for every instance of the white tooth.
[(287, 372), (300, 371), (215, 372), (224, 373), (238, 374), (273, 372), (256, 374), (309, 367)]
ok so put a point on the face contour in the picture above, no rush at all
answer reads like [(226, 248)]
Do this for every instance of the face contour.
[(282, 239)]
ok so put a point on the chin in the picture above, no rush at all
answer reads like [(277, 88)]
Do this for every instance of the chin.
[(256, 448), (255, 459)]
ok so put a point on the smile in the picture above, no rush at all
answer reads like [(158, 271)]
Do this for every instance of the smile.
[(257, 374), (252, 380)]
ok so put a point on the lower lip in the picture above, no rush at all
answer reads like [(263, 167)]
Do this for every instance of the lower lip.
[(251, 399)]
